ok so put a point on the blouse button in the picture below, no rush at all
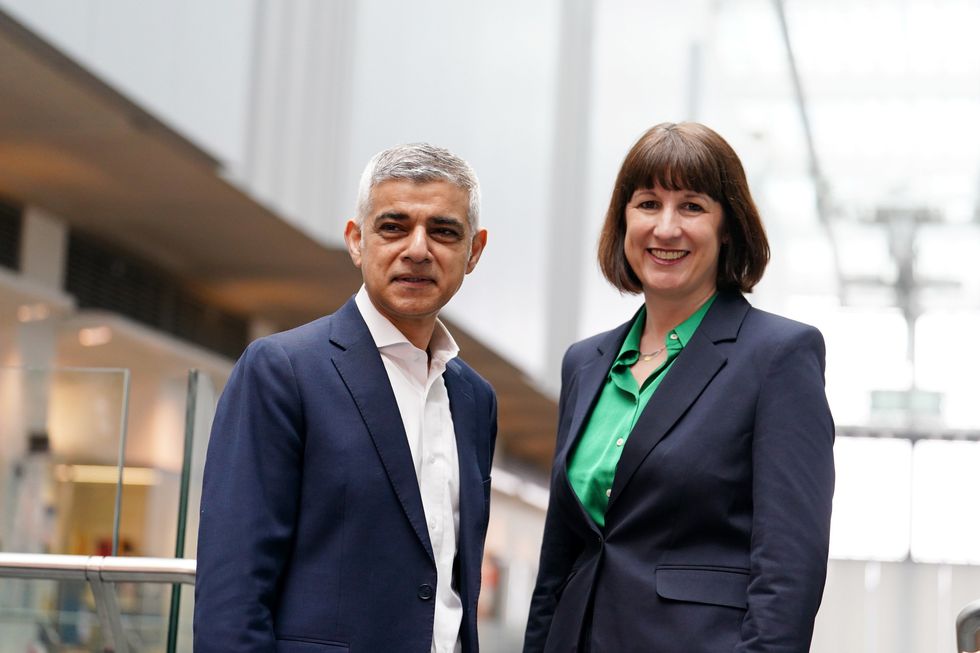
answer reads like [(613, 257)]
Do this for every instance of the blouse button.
[(620, 442), (608, 493), (673, 336)]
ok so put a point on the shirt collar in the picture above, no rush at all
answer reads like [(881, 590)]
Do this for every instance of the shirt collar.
[(684, 332), (442, 346)]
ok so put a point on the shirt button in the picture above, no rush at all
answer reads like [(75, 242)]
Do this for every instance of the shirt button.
[(425, 592), (620, 442), (673, 336), (608, 493)]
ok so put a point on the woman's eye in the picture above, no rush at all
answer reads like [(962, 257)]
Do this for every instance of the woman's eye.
[(691, 206), (648, 204)]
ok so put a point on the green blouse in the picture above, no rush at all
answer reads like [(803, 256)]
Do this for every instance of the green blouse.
[(592, 467)]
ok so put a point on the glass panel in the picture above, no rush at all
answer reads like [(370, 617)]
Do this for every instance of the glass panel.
[(944, 504), (144, 607), (47, 615), (871, 507), (61, 435), (202, 401), (202, 398)]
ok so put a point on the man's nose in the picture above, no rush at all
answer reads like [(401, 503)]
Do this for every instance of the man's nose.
[(417, 248)]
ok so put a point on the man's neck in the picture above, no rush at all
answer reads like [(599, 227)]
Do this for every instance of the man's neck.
[(417, 333)]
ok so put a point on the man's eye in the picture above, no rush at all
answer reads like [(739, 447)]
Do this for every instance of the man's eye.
[(446, 233), (389, 227)]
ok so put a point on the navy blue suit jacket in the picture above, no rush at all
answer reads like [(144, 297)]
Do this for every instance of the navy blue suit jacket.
[(313, 537), (717, 528)]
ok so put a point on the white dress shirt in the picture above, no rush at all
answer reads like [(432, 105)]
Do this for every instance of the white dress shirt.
[(424, 406)]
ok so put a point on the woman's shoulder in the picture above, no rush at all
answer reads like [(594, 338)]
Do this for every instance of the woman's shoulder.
[(772, 325), (767, 337), (597, 344)]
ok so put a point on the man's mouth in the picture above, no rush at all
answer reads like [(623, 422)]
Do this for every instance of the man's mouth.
[(413, 279), (668, 254)]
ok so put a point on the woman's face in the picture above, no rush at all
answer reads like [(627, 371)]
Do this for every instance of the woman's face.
[(672, 242)]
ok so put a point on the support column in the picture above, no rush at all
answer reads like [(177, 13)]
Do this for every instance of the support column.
[(569, 243)]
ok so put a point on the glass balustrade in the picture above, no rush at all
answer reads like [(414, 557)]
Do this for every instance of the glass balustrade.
[(74, 481)]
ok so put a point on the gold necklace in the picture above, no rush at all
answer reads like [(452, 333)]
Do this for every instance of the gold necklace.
[(650, 356)]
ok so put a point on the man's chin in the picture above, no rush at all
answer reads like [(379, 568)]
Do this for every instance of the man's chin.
[(414, 307)]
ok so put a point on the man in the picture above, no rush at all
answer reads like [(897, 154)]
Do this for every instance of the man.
[(347, 483)]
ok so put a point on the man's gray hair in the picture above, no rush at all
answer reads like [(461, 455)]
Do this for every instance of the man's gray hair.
[(419, 163)]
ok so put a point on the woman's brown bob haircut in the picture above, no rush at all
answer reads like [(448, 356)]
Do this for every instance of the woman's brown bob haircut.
[(688, 156)]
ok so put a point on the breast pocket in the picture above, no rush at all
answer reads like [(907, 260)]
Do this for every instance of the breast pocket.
[(711, 585), (287, 645)]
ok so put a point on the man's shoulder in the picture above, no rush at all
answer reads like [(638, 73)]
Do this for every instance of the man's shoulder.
[(461, 367), (313, 334)]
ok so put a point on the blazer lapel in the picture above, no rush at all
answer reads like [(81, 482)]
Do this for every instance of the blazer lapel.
[(587, 384), (694, 368), (359, 365), (472, 508), (589, 381), (462, 405)]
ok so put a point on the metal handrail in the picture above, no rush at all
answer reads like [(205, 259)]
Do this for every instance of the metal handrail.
[(101, 573), (968, 628)]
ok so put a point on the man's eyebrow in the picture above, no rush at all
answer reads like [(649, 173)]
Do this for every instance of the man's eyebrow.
[(391, 215), (446, 221)]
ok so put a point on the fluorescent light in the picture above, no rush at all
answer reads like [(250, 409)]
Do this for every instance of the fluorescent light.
[(94, 336), (106, 474), (33, 312)]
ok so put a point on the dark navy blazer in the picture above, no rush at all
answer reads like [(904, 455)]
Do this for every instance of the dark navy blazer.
[(717, 528), (313, 537)]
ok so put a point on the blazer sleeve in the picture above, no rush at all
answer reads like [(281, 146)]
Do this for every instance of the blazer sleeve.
[(249, 503), (792, 492), (560, 546)]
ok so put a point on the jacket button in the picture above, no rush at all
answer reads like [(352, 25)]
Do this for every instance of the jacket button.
[(425, 592)]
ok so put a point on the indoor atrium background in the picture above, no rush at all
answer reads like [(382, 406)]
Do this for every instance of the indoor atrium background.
[(856, 121)]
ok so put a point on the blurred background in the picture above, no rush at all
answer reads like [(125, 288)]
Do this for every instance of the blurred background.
[(174, 180)]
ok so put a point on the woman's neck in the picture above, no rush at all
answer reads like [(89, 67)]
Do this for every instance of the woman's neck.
[(665, 314)]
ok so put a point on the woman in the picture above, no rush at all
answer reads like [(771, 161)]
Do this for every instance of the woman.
[(693, 474)]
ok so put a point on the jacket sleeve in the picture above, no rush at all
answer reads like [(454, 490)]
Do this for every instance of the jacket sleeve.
[(560, 546), (249, 503), (792, 492)]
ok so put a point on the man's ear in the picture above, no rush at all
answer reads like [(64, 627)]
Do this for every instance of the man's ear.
[(352, 236), (476, 249)]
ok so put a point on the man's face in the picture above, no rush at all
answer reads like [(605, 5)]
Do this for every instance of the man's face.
[(414, 248)]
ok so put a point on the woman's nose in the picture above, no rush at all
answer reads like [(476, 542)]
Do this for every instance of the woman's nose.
[(668, 223)]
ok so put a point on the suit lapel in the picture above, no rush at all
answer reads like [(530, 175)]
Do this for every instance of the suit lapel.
[(463, 408), (462, 405), (694, 368), (589, 381), (359, 365)]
